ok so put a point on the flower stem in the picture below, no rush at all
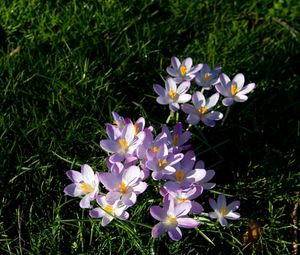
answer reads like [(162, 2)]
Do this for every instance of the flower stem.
[(226, 115), (170, 117)]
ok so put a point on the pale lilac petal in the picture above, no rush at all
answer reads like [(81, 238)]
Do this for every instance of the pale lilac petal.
[(221, 201), (97, 213), (196, 175), (184, 137), (162, 151), (198, 99), (224, 78), (227, 101), (214, 115), (247, 88), (115, 158), (223, 221), (110, 146), (196, 68), (158, 230), (184, 98), (112, 197), (157, 212), (193, 119), (128, 132), (175, 62), (106, 220), (196, 208), (171, 71), (88, 174), (212, 215), (188, 62), (183, 87), (171, 84), (213, 204), (141, 187), (239, 79), (233, 205), (188, 108), (131, 174), (73, 190), (233, 216), (74, 176), (109, 180), (159, 90), (240, 98), (174, 107), (208, 185), (200, 164), (85, 202), (175, 234), (188, 160), (186, 222), (129, 199), (124, 216), (182, 209), (212, 101), (162, 100), (221, 89)]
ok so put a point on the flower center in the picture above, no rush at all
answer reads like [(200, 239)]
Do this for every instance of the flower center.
[(224, 211), (207, 76), (171, 220), (202, 110), (183, 70), (175, 139), (181, 200), (234, 89), (108, 208), (123, 188), (172, 93), (86, 188), (162, 163), (124, 144), (179, 175), (155, 149)]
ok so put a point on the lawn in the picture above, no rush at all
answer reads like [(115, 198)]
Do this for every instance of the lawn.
[(66, 65)]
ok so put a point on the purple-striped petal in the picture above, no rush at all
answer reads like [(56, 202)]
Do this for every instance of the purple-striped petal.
[(186, 222), (175, 234), (158, 230), (74, 176)]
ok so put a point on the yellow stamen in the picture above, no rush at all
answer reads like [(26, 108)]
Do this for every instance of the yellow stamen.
[(122, 188), (207, 76), (155, 149), (162, 163), (171, 220), (136, 129), (124, 144), (183, 70), (179, 175), (86, 188), (202, 110), (234, 89), (182, 200), (175, 139), (172, 93), (108, 208), (224, 211)]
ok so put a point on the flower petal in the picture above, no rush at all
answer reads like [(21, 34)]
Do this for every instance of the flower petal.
[(184, 98), (97, 213), (110, 146), (74, 176), (183, 87), (193, 119), (175, 62), (239, 79), (85, 202), (158, 230), (240, 98), (233, 205), (247, 88), (175, 234), (212, 101), (227, 101), (198, 99), (186, 222), (157, 212), (73, 190), (159, 90), (88, 174)]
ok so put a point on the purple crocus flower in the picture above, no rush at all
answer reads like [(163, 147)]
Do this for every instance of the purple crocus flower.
[(207, 77), (201, 110), (204, 182), (162, 163), (107, 211), (183, 71), (184, 196), (124, 186), (233, 91), (185, 174), (84, 184), (125, 146), (172, 95), (171, 218), (178, 138), (222, 211)]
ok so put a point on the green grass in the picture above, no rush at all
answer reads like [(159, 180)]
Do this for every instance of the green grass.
[(79, 60)]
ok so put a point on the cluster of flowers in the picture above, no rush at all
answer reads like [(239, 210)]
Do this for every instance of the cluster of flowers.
[(135, 154), (177, 86)]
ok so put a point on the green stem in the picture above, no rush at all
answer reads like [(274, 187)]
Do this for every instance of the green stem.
[(226, 115)]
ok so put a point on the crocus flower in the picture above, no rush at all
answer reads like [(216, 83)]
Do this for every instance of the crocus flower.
[(171, 218), (172, 95), (183, 71), (222, 211), (125, 146), (207, 77), (84, 184), (201, 110), (233, 91), (124, 186), (162, 163), (108, 211), (204, 182), (177, 138)]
